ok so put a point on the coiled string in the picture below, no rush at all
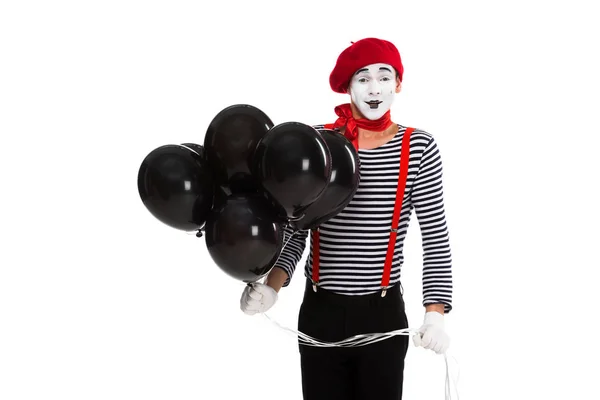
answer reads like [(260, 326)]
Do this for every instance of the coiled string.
[(353, 341), (364, 340)]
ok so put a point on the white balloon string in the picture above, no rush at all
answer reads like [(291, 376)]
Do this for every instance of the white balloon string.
[(364, 340)]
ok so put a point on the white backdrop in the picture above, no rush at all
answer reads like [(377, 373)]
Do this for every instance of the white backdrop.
[(99, 300)]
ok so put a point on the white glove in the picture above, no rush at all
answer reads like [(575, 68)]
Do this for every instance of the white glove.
[(257, 298), (431, 334)]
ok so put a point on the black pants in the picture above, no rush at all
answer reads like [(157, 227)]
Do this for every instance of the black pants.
[(368, 372)]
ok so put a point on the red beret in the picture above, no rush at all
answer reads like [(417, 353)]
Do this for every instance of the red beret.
[(360, 54)]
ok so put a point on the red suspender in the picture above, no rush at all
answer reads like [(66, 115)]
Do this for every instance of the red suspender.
[(387, 267), (404, 157), (315, 260)]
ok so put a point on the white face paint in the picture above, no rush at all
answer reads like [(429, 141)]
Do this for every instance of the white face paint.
[(372, 90)]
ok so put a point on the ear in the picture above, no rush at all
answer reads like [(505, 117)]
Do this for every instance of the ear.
[(398, 85)]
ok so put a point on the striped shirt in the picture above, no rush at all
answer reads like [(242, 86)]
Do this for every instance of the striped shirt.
[(353, 244)]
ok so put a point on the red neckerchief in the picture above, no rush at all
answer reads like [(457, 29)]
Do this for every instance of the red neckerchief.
[(344, 112)]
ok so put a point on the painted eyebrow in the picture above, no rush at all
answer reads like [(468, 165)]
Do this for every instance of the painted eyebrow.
[(367, 70)]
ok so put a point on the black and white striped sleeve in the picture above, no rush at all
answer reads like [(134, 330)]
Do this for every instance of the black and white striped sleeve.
[(292, 251), (428, 200)]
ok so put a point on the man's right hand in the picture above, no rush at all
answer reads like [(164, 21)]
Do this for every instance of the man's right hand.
[(257, 298)]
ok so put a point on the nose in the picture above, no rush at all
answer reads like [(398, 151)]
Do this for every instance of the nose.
[(374, 88)]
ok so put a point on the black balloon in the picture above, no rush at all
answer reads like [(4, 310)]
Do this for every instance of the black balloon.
[(176, 187), (243, 238), (293, 166), (343, 183), (230, 142)]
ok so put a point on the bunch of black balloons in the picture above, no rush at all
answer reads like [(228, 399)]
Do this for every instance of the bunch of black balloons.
[(249, 181)]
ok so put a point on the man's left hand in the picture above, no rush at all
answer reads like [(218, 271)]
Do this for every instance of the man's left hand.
[(431, 334)]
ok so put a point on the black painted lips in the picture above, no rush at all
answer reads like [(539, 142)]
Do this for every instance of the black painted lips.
[(373, 103)]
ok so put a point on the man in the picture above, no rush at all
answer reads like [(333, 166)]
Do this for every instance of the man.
[(353, 269)]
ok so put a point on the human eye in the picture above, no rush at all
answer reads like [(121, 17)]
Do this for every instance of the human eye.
[(362, 80)]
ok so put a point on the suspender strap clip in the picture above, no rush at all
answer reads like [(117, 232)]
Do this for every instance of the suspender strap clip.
[(314, 285)]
